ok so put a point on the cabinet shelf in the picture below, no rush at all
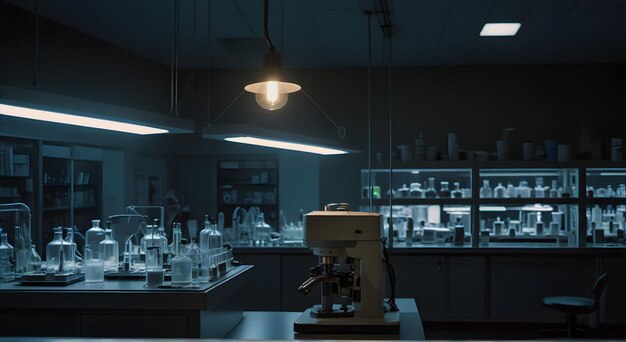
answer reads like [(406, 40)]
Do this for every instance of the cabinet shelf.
[(421, 201), (56, 185), (15, 177), (522, 201), (600, 200)]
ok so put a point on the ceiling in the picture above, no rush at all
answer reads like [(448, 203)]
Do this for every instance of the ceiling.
[(330, 33)]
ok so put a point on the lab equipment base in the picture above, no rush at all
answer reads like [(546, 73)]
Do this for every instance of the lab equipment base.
[(388, 324)]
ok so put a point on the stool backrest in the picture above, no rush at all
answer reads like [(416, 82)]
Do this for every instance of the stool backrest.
[(598, 288)]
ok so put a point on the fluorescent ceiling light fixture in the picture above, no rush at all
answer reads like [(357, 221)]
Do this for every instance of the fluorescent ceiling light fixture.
[(285, 145), (492, 208), (78, 120), (500, 29)]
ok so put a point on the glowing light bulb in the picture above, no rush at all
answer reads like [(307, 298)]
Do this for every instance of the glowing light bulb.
[(272, 91)]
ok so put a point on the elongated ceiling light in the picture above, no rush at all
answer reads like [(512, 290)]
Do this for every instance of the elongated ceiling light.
[(500, 29), (271, 93), (326, 151), (78, 120)]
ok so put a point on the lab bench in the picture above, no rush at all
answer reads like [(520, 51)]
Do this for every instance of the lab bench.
[(504, 282), (123, 308)]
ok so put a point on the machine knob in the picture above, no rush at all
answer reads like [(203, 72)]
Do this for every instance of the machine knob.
[(337, 207)]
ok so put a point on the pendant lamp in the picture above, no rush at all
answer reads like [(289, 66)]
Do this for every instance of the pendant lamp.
[(272, 92)]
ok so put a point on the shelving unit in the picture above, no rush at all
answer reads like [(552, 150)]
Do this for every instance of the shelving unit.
[(574, 206), (248, 182)]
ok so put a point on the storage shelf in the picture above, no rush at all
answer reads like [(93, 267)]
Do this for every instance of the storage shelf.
[(523, 201), (421, 201), (613, 200), (56, 185), (16, 177)]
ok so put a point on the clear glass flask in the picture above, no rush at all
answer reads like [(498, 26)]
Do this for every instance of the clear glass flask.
[(110, 253), (204, 234), (55, 253), (193, 252), (431, 192), (215, 238), (71, 257), (33, 260), (262, 231), (94, 236), (6, 259), (181, 264)]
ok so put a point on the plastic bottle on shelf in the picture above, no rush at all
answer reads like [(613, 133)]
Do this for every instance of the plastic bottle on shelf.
[(109, 251), (431, 192), (610, 193), (456, 192), (500, 191), (523, 191), (444, 190), (539, 189), (485, 191), (554, 190), (404, 191), (94, 235)]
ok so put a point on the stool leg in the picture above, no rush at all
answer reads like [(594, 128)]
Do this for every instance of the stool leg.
[(571, 326)]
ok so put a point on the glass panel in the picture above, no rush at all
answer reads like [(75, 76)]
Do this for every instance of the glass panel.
[(528, 183), (606, 183), (531, 224)]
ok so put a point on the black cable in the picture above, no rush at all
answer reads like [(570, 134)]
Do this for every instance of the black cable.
[(265, 21), (370, 190), (392, 276), (36, 71)]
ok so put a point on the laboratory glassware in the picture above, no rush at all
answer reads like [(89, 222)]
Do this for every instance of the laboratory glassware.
[(416, 190), (215, 238), (485, 191), (33, 260), (457, 193), (154, 266), (94, 267), (181, 264), (430, 191), (444, 190), (21, 251), (109, 251), (193, 252), (204, 234), (94, 235), (262, 231), (499, 191), (6, 259)]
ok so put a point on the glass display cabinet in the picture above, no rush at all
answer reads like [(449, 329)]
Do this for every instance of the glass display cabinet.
[(499, 206), (605, 199)]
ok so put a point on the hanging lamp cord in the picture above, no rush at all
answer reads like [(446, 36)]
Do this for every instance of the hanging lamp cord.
[(266, 6), (36, 66)]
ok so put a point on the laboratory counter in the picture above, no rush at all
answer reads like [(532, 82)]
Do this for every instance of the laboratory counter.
[(123, 308), (467, 249)]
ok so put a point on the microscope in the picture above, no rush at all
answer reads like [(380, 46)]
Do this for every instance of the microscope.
[(350, 250)]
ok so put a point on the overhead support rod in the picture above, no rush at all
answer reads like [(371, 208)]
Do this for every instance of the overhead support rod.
[(383, 15)]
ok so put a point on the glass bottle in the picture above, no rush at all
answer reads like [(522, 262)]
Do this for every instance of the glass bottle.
[(193, 253), (404, 191), (204, 234), (523, 190), (511, 191), (55, 258), (539, 189), (499, 191), (153, 239), (154, 266), (610, 193), (485, 191), (94, 235), (444, 190), (110, 253), (430, 191), (6, 259), (20, 251), (215, 238), (181, 264), (416, 191), (457, 193), (71, 256), (262, 231), (33, 260)]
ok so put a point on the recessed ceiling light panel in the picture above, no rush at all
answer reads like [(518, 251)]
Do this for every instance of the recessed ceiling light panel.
[(500, 29)]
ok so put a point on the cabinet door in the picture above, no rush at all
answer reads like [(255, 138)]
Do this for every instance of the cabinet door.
[(466, 288), (614, 300), (295, 270), (519, 284), (422, 278), (263, 291)]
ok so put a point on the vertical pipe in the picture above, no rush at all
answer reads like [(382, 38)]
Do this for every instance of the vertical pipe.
[(389, 57), (36, 66), (370, 191)]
